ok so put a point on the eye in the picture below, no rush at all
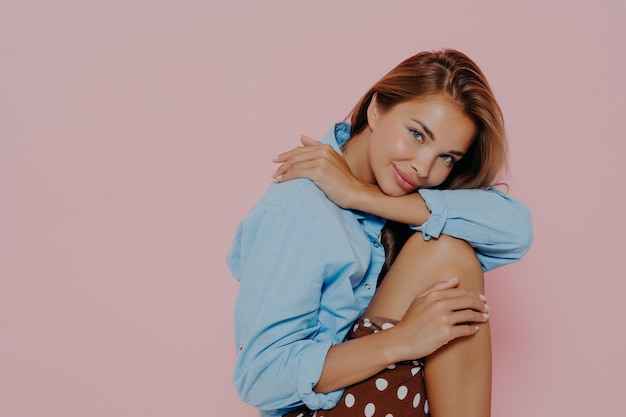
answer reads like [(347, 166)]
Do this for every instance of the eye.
[(448, 159), (417, 135)]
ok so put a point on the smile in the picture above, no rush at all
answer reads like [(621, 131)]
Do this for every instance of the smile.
[(404, 180)]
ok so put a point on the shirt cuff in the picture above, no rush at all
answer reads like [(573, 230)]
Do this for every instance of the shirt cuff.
[(312, 373), (438, 213)]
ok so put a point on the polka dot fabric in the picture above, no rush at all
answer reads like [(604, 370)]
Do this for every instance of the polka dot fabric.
[(397, 391)]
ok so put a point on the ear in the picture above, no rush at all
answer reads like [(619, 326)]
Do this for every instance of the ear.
[(373, 112)]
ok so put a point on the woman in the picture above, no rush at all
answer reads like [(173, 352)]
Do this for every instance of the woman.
[(308, 269)]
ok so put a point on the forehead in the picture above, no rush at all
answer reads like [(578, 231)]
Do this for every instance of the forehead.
[(435, 107), (440, 102)]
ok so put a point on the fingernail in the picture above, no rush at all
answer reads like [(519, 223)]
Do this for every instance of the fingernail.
[(486, 307), (451, 280), (278, 177), (482, 297), (485, 315), (275, 158)]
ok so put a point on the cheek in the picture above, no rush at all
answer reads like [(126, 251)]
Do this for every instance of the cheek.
[(391, 140), (438, 175), (384, 148)]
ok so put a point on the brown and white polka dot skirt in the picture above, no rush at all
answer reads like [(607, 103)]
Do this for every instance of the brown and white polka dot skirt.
[(397, 391)]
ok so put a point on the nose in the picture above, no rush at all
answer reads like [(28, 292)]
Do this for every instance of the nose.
[(422, 164)]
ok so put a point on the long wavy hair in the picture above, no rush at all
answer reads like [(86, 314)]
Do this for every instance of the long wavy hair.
[(455, 75)]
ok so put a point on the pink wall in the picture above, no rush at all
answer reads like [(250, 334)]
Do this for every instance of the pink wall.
[(135, 134)]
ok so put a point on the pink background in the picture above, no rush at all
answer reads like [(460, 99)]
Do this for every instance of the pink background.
[(135, 134)]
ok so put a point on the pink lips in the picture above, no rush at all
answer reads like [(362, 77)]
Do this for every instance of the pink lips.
[(404, 180)]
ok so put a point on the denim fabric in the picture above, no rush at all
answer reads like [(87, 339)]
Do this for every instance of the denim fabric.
[(308, 269)]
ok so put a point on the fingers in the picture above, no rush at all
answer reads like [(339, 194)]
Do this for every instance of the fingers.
[(460, 316), (455, 299), (308, 152), (307, 141), (301, 164), (282, 157), (464, 317), (443, 314), (459, 298), (290, 159), (462, 331), (306, 162), (303, 169), (451, 283), (454, 324)]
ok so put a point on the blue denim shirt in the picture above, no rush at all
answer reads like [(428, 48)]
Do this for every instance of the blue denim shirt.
[(308, 269)]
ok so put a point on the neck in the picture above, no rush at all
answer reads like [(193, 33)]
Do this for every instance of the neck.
[(356, 155)]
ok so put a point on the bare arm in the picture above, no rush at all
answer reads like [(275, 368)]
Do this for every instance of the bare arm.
[(331, 173), (433, 319), (498, 227), (409, 209)]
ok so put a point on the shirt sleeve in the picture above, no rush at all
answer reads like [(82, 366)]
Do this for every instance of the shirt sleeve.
[(279, 358), (498, 227)]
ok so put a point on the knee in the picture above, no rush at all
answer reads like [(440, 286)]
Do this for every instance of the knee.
[(445, 246), (450, 256)]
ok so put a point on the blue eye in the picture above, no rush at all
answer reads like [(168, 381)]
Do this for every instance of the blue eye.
[(417, 135), (448, 159)]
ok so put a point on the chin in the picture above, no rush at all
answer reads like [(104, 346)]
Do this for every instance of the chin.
[(395, 192)]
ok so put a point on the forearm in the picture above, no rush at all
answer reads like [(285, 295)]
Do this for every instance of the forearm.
[(356, 360), (409, 209), (427, 319)]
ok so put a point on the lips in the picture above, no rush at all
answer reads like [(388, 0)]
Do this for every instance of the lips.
[(404, 180)]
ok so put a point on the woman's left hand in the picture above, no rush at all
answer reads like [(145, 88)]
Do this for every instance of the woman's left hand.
[(321, 164)]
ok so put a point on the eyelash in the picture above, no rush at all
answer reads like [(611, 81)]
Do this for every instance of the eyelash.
[(417, 132), (448, 159)]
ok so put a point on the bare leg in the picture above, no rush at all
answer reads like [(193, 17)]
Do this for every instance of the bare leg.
[(458, 376)]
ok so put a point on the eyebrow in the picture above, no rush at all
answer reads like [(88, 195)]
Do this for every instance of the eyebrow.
[(432, 137), (426, 129)]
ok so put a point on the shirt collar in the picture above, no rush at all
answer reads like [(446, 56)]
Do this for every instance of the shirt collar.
[(337, 136)]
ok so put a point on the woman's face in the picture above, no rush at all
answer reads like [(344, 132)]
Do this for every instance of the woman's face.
[(415, 144)]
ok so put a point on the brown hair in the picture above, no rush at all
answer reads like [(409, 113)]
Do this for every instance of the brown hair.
[(455, 75)]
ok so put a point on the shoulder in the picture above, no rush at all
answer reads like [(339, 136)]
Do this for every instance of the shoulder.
[(296, 217), (298, 198), (299, 208)]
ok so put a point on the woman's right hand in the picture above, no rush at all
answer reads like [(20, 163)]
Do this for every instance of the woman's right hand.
[(321, 164), (440, 315)]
